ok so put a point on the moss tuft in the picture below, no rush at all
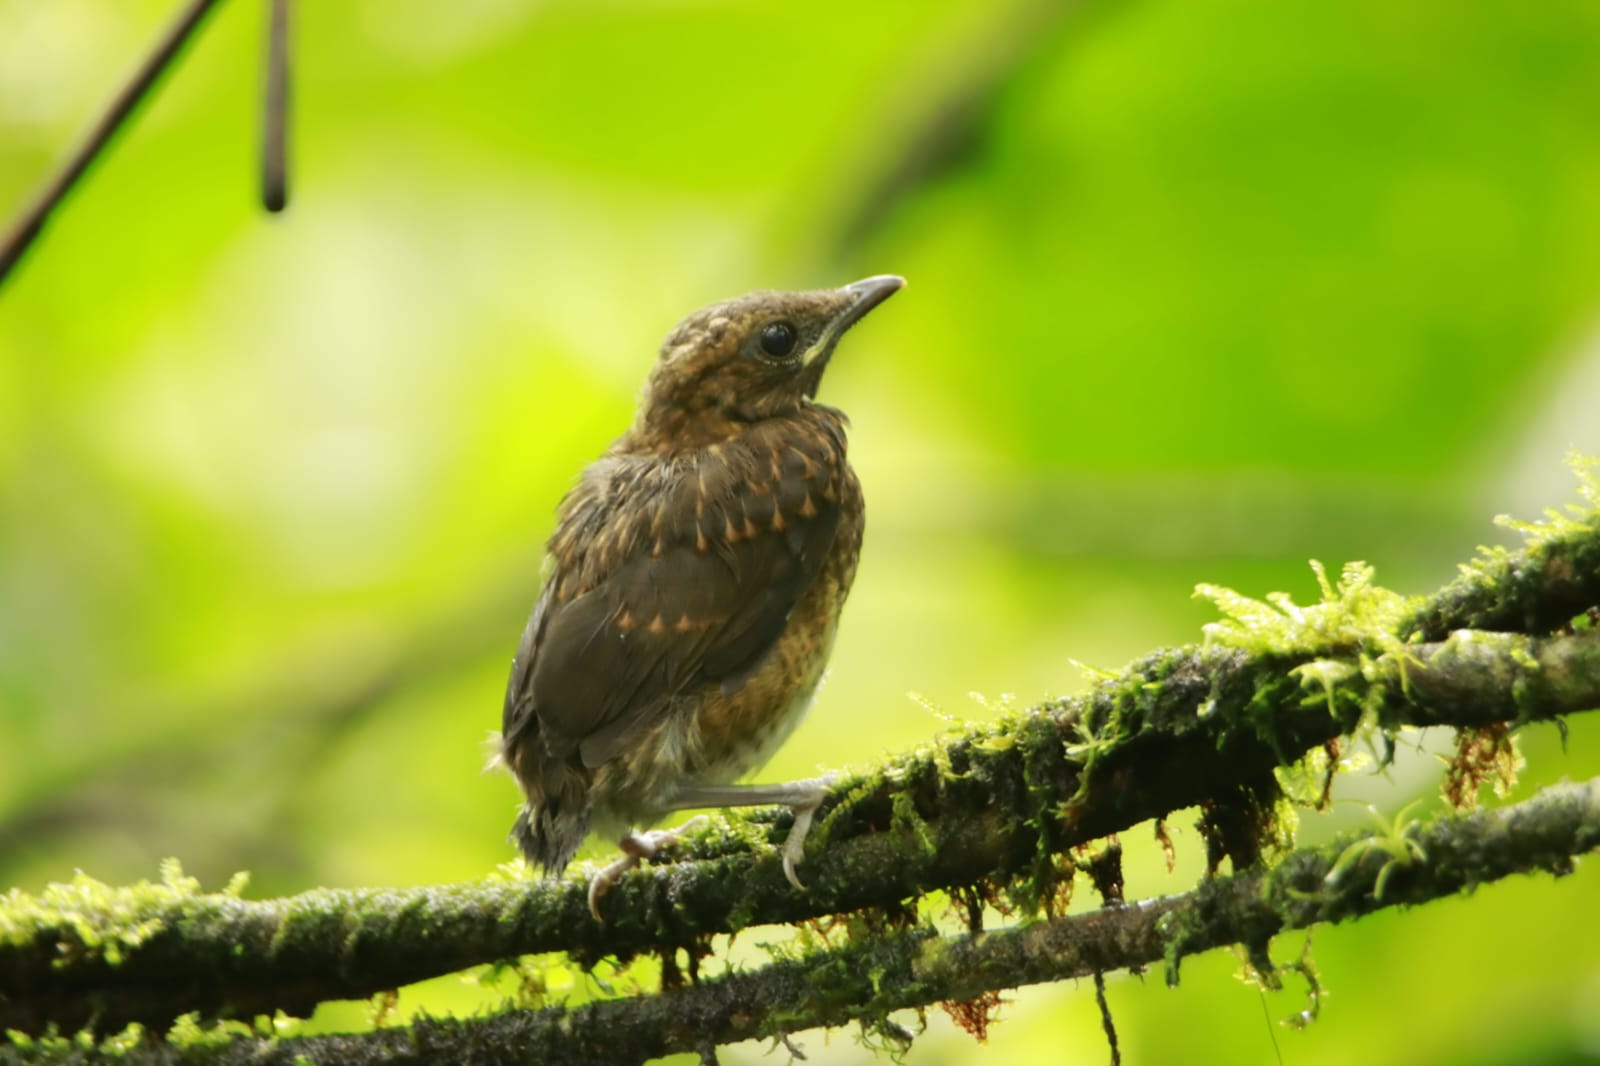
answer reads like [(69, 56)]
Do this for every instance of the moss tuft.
[(91, 919), (1355, 615)]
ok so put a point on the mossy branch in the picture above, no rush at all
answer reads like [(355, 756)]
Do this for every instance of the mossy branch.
[(988, 800), (1352, 876), (994, 809)]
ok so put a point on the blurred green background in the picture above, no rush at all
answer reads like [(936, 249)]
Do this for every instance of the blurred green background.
[(1199, 289)]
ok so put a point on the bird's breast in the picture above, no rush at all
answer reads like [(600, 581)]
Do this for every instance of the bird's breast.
[(740, 726), (739, 731)]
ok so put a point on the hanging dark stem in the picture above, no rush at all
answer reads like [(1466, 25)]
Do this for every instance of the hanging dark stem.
[(275, 110)]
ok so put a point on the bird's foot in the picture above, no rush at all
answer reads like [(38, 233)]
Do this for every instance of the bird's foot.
[(801, 797), (636, 847), (809, 796)]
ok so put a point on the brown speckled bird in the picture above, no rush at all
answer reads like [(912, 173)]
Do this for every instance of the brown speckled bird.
[(698, 570)]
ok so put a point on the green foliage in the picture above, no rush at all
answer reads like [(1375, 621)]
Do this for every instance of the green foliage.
[(1202, 290)]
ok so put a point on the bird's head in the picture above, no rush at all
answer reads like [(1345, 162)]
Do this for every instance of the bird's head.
[(753, 357)]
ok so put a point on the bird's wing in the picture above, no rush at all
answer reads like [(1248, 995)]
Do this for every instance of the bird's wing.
[(691, 584)]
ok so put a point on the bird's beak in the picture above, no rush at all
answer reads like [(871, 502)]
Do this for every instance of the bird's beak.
[(860, 297), (864, 296)]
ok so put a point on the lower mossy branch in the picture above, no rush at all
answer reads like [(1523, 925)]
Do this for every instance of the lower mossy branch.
[(866, 979)]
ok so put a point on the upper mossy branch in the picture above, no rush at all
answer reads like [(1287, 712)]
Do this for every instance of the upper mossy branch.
[(1536, 589), (993, 806)]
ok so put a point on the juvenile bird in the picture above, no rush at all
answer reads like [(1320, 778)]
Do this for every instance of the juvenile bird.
[(698, 570)]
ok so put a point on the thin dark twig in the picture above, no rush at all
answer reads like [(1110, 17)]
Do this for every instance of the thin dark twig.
[(32, 220), (1272, 1034), (275, 110), (1106, 1022)]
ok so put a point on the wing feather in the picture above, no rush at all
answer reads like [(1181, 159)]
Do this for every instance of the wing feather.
[(666, 580)]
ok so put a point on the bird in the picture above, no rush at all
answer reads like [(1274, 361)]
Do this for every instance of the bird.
[(695, 578)]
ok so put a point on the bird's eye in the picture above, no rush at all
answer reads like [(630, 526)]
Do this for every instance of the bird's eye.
[(778, 339)]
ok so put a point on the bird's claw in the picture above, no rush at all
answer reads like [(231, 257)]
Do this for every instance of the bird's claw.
[(794, 845), (601, 882), (636, 847), (794, 848)]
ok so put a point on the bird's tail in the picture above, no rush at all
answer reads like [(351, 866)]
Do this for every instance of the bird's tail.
[(554, 822)]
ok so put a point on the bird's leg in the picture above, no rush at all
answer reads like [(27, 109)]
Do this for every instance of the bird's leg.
[(801, 797), (636, 847)]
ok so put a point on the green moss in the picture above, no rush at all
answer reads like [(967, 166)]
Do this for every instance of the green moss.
[(188, 1033), (1561, 525), (908, 823), (1355, 614), (886, 1037), (1178, 930), (1264, 973), (1555, 576), (1351, 636), (1085, 746), (1395, 842), (90, 918), (859, 788), (1302, 781), (1329, 677), (1044, 889), (121, 1043)]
